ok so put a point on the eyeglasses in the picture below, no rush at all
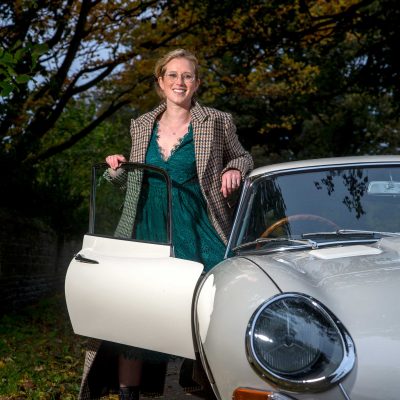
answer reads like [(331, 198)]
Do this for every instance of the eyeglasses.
[(174, 76)]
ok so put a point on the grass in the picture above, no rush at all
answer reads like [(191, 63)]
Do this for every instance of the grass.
[(40, 357)]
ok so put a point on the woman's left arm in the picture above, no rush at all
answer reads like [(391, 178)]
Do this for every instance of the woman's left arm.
[(237, 161), (235, 156)]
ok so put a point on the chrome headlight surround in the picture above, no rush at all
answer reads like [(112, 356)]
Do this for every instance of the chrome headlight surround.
[(294, 341)]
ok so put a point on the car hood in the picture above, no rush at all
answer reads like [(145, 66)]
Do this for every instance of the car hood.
[(360, 285)]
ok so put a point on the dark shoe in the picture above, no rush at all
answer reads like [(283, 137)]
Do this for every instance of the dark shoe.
[(129, 393)]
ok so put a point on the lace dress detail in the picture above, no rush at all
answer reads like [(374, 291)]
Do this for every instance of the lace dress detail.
[(194, 236), (175, 146)]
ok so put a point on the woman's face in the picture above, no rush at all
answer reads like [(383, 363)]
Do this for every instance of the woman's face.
[(179, 82)]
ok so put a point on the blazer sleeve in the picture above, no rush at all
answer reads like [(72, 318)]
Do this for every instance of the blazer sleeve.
[(117, 178), (235, 156)]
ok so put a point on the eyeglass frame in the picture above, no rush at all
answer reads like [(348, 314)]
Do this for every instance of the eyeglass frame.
[(168, 76)]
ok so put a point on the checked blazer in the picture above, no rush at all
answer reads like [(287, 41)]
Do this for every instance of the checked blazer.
[(217, 149)]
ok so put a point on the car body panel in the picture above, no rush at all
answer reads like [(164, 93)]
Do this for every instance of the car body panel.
[(362, 290), (133, 279), (240, 287)]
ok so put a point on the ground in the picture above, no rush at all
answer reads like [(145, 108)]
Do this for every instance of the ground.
[(42, 359)]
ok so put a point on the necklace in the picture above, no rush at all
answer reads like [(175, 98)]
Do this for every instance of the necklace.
[(174, 130)]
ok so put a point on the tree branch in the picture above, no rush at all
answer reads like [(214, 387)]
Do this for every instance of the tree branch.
[(51, 151)]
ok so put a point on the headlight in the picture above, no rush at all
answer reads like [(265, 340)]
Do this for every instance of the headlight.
[(297, 343)]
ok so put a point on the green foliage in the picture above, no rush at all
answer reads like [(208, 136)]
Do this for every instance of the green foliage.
[(355, 124), (67, 175), (303, 79), (69, 50), (40, 357), (11, 61)]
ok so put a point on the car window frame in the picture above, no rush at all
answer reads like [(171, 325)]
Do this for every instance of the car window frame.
[(138, 166)]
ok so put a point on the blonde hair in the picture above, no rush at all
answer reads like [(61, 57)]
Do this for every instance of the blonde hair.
[(159, 69)]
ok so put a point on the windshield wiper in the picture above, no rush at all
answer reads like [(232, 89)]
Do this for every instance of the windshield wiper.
[(350, 233), (305, 242), (356, 231)]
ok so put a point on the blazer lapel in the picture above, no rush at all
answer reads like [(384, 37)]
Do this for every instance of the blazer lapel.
[(203, 125), (142, 134), (203, 134)]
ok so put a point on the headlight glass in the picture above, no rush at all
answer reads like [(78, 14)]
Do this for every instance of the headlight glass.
[(295, 341)]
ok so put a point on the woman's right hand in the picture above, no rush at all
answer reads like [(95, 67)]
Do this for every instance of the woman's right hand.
[(115, 160)]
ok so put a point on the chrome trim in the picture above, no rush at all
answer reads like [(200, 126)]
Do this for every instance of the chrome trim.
[(323, 163), (238, 216), (340, 243), (83, 259), (197, 338), (346, 365), (344, 393)]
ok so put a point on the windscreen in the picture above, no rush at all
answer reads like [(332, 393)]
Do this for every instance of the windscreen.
[(326, 200)]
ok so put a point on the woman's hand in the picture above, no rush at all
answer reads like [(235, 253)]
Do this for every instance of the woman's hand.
[(231, 180), (115, 160)]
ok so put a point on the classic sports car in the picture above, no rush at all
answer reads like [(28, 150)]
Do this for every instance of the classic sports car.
[(305, 304)]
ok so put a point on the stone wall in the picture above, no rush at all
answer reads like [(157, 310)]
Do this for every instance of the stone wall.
[(33, 260)]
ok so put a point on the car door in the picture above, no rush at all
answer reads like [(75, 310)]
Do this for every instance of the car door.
[(125, 285)]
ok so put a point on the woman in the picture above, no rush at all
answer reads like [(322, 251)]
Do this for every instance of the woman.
[(199, 148)]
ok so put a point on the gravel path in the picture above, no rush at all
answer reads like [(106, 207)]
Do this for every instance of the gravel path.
[(172, 388)]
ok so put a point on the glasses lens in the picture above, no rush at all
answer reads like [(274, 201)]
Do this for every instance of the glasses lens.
[(173, 77), (188, 78)]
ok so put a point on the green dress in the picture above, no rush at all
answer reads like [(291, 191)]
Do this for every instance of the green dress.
[(194, 237)]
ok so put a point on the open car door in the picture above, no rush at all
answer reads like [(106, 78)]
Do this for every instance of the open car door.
[(125, 285)]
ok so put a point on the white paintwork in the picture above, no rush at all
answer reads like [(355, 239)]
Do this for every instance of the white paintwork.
[(136, 295), (240, 287), (120, 248), (205, 306), (331, 253), (363, 292), (321, 162)]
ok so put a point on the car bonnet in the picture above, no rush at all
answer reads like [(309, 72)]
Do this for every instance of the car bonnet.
[(344, 278), (360, 285)]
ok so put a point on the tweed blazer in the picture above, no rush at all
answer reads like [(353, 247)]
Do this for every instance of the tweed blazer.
[(217, 149)]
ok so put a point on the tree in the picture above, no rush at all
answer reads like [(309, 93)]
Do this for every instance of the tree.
[(303, 78), (66, 49), (65, 179), (56, 53), (322, 79)]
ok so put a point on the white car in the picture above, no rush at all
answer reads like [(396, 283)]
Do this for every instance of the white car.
[(306, 304)]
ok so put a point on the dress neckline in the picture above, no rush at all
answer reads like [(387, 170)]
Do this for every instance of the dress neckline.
[(175, 147)]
